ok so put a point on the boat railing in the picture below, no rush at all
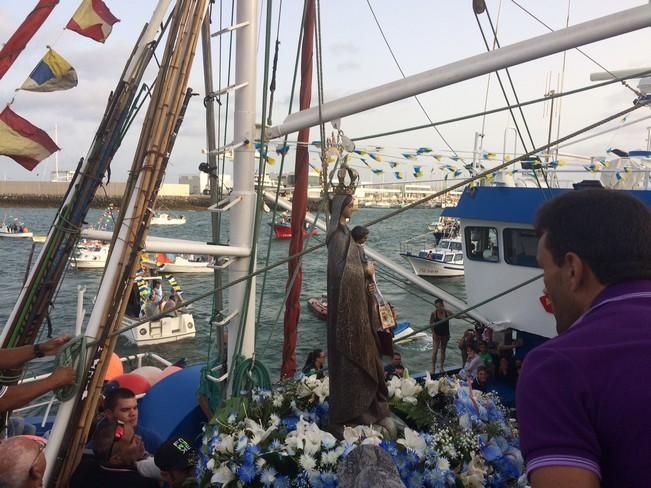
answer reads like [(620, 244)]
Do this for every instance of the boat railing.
[(417, 243)]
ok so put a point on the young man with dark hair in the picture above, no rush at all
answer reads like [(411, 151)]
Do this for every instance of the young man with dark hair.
[(121, 404), (581, 397)]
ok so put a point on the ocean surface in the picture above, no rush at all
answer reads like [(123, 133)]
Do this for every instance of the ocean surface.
[(411, 303)]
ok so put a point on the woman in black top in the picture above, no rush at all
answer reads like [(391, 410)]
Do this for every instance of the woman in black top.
[(440, 332)]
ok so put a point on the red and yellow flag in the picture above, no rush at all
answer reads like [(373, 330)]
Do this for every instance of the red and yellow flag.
[(23, 142), (93, 19)]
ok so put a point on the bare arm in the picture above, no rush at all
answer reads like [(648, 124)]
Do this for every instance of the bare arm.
[(563, 477), (20, 395), (17, 356)]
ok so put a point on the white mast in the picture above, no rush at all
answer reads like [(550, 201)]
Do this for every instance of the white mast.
[(242, 218)]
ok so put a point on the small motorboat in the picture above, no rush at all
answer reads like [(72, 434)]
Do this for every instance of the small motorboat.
[(15, 229), (90, 255), (188, 264), (403, 329), (167, 219), (319, 307)]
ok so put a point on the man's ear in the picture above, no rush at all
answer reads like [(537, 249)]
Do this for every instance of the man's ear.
[(575, 270)]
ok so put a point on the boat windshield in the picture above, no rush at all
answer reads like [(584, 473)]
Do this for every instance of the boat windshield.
[(455, 246), (437, 256), (448, 258), (444, 244)]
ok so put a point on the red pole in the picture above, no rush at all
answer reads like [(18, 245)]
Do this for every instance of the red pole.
[(299, 201)]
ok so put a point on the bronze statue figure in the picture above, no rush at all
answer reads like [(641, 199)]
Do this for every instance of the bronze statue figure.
[(358, 393)]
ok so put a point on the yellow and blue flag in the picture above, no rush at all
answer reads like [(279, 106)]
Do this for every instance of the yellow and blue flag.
[(53, 73), (377, 171), (398, 175), (393, 164), (418, 171)]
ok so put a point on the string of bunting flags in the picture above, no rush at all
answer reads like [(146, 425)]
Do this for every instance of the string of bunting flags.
[(21, 140)]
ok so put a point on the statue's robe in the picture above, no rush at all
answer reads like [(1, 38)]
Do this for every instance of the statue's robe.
[(358, 392)]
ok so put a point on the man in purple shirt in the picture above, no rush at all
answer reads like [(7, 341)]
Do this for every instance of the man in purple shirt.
[(583, 397)]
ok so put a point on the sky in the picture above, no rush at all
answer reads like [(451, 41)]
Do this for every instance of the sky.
[(423, 34)]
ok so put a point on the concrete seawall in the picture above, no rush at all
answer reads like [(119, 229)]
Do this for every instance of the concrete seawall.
[(47, 194)]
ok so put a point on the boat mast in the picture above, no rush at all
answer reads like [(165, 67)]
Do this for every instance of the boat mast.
[(213, 179), (242, 217), (299, 202)]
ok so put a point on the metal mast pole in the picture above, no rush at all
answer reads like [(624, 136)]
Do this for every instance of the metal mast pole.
[(243, 213), (215, 184)]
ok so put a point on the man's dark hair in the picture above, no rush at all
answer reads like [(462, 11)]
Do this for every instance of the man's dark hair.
[(438, 300), (395, 353), (482, 368), (609, 229), (359, 232), (112, 397)]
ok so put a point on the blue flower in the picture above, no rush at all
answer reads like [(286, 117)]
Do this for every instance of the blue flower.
[(415, 480), (290, 422), (281, 482), (246, 473), (389, 447), (275, 445)]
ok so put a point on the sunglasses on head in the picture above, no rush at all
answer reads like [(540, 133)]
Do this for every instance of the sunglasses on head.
[(117, 435)]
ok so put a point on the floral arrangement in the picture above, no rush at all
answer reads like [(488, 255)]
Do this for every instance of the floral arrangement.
[(453, 437)]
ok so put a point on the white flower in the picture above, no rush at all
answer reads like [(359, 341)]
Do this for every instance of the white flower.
[(414, 442), (223, 476), (322, 390), (410, 389), (226, 445), (432, 386), (268, 476), (329, 458), (260, 462), (242, 442), (328, 441), (307, 462), (278, 400), (394, 387), (274, 420), (231, 418), (351, 435), (443, 464), (258, 432), (210, 464)]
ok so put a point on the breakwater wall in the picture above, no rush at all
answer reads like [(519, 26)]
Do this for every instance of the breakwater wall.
[(49, 194)]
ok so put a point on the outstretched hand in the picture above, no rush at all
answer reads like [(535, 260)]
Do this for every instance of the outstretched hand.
[(51, 347), (64, 376)]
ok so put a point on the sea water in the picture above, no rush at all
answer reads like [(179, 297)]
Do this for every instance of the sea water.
[(411, 303)]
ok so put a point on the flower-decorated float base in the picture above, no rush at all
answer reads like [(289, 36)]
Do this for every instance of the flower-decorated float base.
[(454, 436)]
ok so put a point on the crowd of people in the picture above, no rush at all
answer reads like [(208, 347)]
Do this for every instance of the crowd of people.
[(158, 302)]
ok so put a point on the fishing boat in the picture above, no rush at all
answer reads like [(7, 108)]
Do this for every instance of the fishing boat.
[(228, 376), (167, 219), (15, 230), (444, 260)]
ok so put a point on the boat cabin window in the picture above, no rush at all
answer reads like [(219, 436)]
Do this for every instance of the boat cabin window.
[(448, 258), (455, 246), (458, 258), (520, 247), (443, 244), (481, 244)]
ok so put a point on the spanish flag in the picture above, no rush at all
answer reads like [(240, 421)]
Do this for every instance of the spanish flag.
[(93, 19), (23, 142), (53, 73)]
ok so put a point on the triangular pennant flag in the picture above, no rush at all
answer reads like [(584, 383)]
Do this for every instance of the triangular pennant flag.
[(418, 171), (398, 175), (23, 142), (93, 19), (393, 164), (376, 157), (378, 171), (423, 150), (409, 156), (53, 73)]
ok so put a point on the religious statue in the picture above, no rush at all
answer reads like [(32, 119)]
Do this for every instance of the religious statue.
[(358, 392)]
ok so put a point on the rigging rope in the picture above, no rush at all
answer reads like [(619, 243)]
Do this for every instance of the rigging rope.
[(502, 109), (431, 124), (637, 92), (272, 85)]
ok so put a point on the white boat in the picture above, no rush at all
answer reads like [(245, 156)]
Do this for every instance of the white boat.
[(90, 257), (167, 329), (189, 264), (167, 219), (446, 259), (173, 327), (15, 230)]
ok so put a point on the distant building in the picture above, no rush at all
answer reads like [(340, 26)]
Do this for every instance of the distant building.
[(199, 184), (62, 175)]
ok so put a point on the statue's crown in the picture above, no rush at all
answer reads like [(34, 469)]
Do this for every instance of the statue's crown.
[(342, 186)]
